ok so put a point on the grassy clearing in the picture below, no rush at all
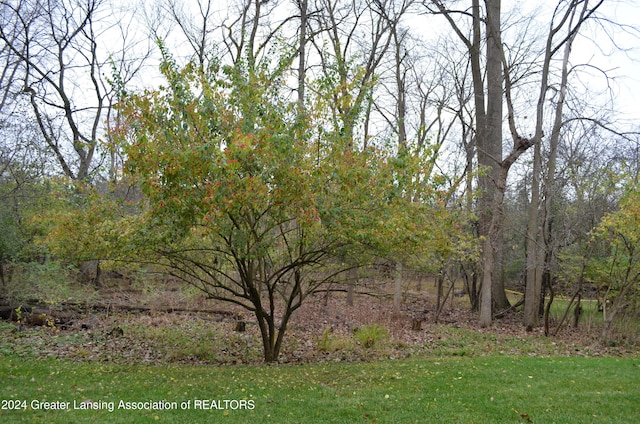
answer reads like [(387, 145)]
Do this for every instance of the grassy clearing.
[(450, 390)]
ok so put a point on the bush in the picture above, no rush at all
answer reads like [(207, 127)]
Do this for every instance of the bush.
[(49, 282)]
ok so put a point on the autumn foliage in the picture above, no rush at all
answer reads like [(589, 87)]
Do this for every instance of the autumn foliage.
[(258, 203)]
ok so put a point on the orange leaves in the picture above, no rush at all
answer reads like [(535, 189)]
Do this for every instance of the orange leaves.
[(237, 160)]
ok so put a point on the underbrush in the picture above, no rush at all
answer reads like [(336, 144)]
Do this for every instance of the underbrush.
[(202, 332), (371, 335), (368, 337), (49, 283), (190, 339)]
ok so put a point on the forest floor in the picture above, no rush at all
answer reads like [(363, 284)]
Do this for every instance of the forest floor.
[(170, 326)]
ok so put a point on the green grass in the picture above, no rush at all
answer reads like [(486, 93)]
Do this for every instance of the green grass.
[(498, 389)]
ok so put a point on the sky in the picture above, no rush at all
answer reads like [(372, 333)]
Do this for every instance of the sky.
[(594, 47), (616, 51)]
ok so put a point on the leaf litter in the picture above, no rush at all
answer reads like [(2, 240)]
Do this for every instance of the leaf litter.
[(160, 336)]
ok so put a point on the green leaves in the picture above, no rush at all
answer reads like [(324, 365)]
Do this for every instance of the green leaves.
[(618, 271), (225, 154), (252, 199)]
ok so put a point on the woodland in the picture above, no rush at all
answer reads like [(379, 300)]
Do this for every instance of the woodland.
[(266, 161)]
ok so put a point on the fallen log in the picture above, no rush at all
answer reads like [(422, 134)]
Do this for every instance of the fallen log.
[(139, 308)]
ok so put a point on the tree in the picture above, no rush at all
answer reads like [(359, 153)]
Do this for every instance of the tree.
[(349, 57), (590, 187), (248, 203), (620, 271), (568, 19), (12, 239), (54, 59), (502, 81), (488, 118), (23, 190)]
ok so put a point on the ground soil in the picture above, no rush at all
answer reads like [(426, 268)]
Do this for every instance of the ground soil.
[(126, 326)]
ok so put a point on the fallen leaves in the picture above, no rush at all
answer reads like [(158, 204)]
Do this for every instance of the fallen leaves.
[(192, 338)]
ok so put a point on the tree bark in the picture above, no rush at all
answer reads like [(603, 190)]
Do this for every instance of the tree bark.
[(302, 52), (492, 167), (534, 244), (490, 155), (351, 287), (397, 294)]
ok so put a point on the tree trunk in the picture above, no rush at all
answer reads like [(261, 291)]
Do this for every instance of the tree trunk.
[(271, 335), (351, 287), (2, 279), (397, 294), (533, 286), (498, 292), (440, 290), (266, 332), (490, 155), (471, 285), (302, 52), (539, 243)]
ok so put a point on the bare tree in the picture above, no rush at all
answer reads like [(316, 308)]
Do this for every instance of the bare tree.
[(502, 80), (54, 57), (346, 31), (564, 27), (303, 6), (488, 118)]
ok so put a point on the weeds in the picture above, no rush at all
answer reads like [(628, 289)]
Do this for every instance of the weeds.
[(188, 339), (49, 283), (332, 342), (371, 335)]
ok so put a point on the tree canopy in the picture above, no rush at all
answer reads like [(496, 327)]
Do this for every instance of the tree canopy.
[(260, 204)]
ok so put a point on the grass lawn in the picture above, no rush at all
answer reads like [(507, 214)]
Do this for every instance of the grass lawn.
[(494, 389)]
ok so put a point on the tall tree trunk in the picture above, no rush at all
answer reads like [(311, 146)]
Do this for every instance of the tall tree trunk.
[(550, 183), (302, 52), (490, 251), (488, 143), (490, 155), (539, 248)]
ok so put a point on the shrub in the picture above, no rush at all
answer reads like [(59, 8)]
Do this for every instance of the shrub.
[(49, 282)]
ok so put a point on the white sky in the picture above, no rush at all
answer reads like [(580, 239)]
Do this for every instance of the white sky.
[(594, 48)]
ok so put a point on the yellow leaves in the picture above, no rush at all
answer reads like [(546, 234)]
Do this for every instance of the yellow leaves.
[(87, 224), (623, 226)]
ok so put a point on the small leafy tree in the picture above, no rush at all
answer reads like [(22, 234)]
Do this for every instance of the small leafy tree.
[(82, 228), (619, 272), (249, 199), (22, 196)]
